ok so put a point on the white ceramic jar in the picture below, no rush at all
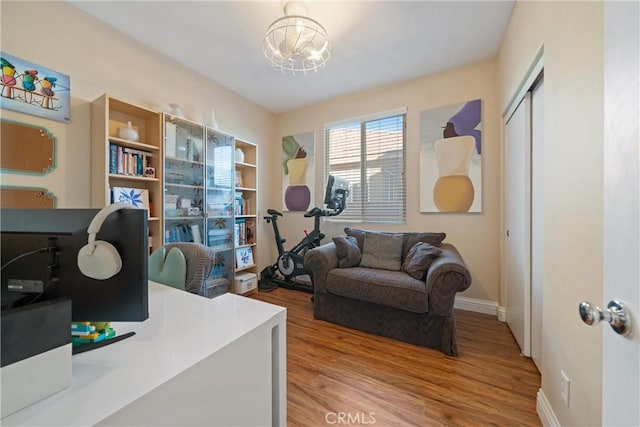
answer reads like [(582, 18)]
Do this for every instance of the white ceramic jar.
[(128, 133)]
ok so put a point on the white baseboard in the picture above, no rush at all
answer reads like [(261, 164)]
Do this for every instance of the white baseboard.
[(545, 411), (476, 305), (502, 314)]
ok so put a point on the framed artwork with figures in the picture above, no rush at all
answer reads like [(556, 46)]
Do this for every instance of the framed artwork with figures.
[(33, 89)]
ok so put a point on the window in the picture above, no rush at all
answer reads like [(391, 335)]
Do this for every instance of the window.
[(369, 153)]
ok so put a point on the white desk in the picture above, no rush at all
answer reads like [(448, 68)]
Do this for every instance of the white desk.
[(195, 361)]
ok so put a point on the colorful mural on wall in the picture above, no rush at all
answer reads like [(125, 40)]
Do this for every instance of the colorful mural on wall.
[(451, 158), (33, 89)]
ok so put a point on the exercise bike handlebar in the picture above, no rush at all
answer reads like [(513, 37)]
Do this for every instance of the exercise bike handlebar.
[(313, 212)]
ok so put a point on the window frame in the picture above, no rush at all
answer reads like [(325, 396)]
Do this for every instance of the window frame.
[(362, 121)]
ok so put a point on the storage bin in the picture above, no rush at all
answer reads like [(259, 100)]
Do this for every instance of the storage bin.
[(245, 282)]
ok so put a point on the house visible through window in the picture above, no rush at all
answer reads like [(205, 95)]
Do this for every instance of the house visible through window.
[(369, 153)]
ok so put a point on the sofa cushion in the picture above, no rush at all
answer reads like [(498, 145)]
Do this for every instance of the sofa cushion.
[(411, 239), (392, 288), (419, 259), (347, 251), (382, 250)]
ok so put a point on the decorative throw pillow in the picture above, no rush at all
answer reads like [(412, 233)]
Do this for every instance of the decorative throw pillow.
[(347, 251), (411, 239), (358, 234), (419, 259), (382, 251)]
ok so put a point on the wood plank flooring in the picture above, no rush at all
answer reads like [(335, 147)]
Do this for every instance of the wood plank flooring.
[(338, 376)]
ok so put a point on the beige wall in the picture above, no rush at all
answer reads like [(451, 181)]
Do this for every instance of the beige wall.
[(100, 60), (475, 235), (572, 35)]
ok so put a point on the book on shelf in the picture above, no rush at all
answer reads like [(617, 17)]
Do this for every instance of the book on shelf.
[(195, 232), (250, 232), (183, 233), (242, 206), (240, 232), (170, 140), (113, 158), (128, 161), (239, 204)]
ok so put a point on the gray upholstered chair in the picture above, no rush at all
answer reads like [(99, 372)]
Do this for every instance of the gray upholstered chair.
[(199, 261), (391, 303)]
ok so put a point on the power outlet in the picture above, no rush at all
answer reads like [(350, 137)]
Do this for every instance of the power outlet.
[(564, 387)]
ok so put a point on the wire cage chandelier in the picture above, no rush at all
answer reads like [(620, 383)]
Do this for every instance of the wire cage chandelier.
[(296, 43)]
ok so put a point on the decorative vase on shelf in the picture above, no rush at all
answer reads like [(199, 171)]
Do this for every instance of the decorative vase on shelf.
[(128, 133), (239, 155), (177, 110), (214, 122)]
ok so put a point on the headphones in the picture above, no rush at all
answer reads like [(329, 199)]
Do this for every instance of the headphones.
[(99, 259)]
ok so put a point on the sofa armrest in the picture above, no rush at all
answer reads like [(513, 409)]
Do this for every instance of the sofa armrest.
[(319, 262), (447, 275)]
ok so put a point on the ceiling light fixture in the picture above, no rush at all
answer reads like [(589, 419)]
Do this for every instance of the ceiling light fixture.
[(295, 42)]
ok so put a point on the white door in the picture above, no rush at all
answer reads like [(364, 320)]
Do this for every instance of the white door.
[(621, 356), (518, 223), (537, 220)]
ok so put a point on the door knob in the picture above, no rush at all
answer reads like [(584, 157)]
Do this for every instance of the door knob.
[(615, 314)]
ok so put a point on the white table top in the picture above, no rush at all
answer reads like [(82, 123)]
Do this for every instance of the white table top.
[(182, 330)]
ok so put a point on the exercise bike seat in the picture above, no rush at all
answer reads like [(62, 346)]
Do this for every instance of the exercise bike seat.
[(273, 212), (313, 212)]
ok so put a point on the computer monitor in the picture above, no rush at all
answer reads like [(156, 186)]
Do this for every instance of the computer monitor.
[(55, 273), (335, 196)]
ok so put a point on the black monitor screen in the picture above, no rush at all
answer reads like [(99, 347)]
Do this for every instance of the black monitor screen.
[(336, 193), (55, 273)]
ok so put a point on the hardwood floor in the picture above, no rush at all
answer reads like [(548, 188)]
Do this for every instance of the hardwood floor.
[(338, 376)]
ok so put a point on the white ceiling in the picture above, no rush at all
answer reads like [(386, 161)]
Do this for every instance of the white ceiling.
[(373, 42)]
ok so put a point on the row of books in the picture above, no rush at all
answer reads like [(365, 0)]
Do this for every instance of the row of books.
[(128, 161), (244, 232), (242, 206), (183, 233)]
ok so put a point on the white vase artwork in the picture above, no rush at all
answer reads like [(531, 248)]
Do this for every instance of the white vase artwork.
[(453, 191)]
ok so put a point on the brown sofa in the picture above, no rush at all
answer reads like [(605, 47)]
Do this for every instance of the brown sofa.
[(391, 303)]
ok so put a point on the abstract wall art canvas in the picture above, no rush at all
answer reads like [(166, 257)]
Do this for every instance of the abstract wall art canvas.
[(451, 149), (298, 173), (32, 89)]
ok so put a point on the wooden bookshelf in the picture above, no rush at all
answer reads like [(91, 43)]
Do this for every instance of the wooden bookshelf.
[(247, 186), (108, 116)]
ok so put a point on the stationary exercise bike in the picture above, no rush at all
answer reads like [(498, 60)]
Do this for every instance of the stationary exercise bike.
[(289, 267)]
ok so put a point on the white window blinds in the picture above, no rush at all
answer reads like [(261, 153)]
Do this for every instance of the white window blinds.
[(370, 155)]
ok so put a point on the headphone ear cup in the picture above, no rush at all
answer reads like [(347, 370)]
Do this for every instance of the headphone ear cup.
[(100, 262)]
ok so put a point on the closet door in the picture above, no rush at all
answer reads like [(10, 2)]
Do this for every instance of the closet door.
[(537, 219), (518, 223)]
